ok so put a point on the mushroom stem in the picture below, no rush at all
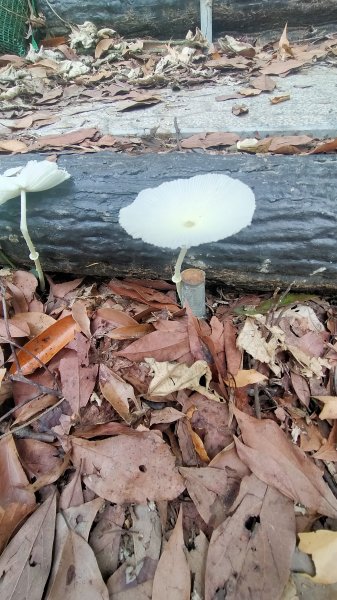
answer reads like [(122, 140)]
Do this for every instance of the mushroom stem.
[(24, 230), (177, 270)]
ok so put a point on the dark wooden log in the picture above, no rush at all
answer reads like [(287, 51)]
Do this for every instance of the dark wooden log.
[(76, 230), (166, 18)]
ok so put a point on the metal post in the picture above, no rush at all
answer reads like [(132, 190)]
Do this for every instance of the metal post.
[(206, 19)]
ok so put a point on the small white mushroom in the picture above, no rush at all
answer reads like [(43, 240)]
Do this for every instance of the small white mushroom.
[(189, 212), (33, 177)]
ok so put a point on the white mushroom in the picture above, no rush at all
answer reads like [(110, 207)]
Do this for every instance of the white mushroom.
[(189, 212), (33, 177)]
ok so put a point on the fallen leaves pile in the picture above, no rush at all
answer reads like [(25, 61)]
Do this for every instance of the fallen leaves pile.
[(147, 454), (99, 66)]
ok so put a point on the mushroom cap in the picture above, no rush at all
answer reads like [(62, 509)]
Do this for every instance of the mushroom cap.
[(189, 212), (8, 188), (35, 176)]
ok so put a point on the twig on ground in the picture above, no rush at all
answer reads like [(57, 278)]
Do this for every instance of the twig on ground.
[(257, 405), (36, 418), (178, 133)]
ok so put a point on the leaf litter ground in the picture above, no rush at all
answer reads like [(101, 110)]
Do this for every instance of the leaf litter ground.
[(99, 68), (146, 454)]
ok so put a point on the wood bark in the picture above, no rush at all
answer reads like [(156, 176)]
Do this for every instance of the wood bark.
[(75, 225), (173, 18)]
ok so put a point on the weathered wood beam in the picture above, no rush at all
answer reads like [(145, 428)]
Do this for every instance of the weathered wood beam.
[(173, 18), (76, 230)]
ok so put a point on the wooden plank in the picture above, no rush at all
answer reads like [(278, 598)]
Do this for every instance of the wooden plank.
[(292, 237), (173, 18), (206, 16)]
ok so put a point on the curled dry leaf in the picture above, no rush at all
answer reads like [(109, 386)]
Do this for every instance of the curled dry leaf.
[(45, 346), (279, 99), (170, 377), (120, 470), (322, 545), (15, 501), (329, 410), (284, 45), (245, 377), (117, 392), (80, 315), (239, 110), (37, 321)]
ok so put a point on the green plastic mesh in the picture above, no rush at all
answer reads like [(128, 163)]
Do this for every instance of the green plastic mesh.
[(14, 15)]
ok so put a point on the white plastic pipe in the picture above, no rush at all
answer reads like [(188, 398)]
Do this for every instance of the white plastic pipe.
[(206, 19)]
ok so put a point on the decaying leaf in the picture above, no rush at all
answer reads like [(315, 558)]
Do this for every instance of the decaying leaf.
[(252, 340), (240, 109), (170, 377)]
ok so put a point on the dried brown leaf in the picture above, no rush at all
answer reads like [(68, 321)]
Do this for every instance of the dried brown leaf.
[(284, 45), (251, 543), (66, 139), (207, 488), (172, 579), (158, 345), (210, 140), (279, 99), (274, 459), (80, 315), (117, 392), (103, 46), (78, 576), (15, 501), (263, 83), (37, 321), (12, 146), (77, 375), (25, 563), (105, 538), (122, 470)]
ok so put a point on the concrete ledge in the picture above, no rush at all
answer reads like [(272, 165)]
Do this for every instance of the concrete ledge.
[(292, 237)]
